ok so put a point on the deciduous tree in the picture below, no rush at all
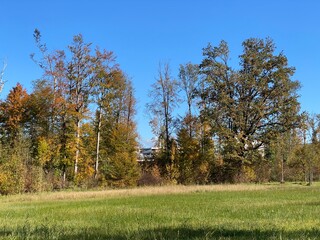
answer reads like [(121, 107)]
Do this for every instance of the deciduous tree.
[(164, 94), (13, 115), (188, 81), (247, 106)]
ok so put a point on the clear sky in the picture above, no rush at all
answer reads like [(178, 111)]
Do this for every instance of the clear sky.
[(142, 33)]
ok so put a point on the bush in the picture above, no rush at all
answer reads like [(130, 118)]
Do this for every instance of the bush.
[(12, 173), (34, 179), (150, 177)]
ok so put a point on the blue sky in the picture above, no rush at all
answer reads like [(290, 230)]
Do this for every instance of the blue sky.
[(143, 33)]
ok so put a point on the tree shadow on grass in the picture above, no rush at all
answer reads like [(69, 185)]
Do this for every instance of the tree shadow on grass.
[(159, 234)]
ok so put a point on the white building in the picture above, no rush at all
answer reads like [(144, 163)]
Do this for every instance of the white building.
[(147, 154)]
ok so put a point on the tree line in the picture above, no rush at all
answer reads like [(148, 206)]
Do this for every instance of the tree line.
[(76, 128), (242, 123)]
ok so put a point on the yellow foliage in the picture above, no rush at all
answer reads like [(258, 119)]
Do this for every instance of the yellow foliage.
[(44, 153), (12, 176), (248, 174)]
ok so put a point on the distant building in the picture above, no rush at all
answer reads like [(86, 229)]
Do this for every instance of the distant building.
[(147, 154)]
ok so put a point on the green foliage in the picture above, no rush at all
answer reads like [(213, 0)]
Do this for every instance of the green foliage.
[(122, 170), (12, 172), (122, 167), (246, 108)]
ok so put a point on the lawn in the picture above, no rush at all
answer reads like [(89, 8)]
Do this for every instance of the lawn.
[(173, 212)]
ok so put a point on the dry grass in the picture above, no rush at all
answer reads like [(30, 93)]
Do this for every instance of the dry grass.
[(141, 191)]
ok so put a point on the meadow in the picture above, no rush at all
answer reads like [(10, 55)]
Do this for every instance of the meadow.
[(289, 211)]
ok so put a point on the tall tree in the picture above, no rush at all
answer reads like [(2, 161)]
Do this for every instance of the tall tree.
[(194, 153), (188, 80), (310, 147), (103, 92), (79, 76), (70, 79), (164, 100), (247, 107), (38, 118), (53, 66), (281, 149), (51, 93), (118, 133)]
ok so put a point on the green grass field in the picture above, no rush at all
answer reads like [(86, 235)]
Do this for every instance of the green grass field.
[(177, 212)]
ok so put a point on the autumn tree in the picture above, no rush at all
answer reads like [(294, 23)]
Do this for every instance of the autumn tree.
[(188, 81), (103, 92), (69, 80), (187, 157), (118, 133), (79, 76), (13, 114), (15, 145), (164, 100), (79, 86), (38, 117), (307, 152), (49, 110), (280, 153), (249, 105), (192, 165), (53, 66)]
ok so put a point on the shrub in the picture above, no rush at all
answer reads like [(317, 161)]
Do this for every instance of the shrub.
[(150, 177), (12, 174)]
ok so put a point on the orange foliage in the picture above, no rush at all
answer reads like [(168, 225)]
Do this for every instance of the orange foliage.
[(13, 110)]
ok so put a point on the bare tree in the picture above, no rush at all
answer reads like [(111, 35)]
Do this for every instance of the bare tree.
[(2, 81), (164, 100), (188, 76)]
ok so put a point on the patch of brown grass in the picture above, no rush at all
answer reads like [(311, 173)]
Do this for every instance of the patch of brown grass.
[(140, 191)]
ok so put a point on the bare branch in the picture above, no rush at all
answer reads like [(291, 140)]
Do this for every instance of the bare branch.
[(2, 81)]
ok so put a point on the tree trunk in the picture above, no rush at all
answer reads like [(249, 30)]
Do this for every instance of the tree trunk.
[(77, 149), (190, 118), (310, 177), (64, 177), (167, 143), (98, 144), (282, 170)]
